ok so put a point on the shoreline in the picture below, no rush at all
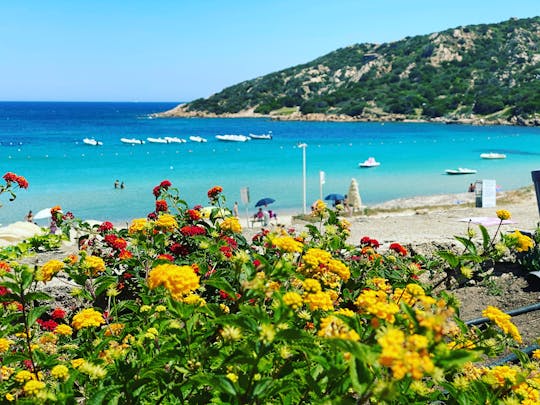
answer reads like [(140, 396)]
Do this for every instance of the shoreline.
[(432, 219)]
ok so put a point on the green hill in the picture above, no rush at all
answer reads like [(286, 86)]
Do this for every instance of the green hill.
[(477, 73)]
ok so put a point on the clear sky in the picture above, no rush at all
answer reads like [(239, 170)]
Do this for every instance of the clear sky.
[(179, 50)]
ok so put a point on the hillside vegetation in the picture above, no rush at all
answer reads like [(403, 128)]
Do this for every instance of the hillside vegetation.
[(477, 73)]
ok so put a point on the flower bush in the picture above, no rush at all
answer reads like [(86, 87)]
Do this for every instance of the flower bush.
[(179, 308), (12, 182)]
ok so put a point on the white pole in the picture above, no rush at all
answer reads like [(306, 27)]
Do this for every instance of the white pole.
[(303, 146)]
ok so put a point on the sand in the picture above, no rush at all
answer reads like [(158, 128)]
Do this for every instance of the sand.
[(437, 218)]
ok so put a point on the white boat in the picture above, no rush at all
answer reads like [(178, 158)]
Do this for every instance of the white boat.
[(369, 162), (194, 138), (493, 155), (157, 140), (460, 170), (174, 139), (132, 141), (92, 142), (233, 138), (261, 136)]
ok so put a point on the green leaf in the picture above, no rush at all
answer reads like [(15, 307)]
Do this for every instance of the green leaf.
[(262, 386), (457, 358), (35, 313), (221, 284), (485, 237), (38, 296), (451, 258), (99, 397), (467, 243)]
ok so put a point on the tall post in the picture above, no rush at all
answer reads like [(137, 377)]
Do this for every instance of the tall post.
[(303, 146), (322, 180)]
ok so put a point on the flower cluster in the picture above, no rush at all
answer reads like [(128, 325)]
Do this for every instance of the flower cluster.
[(502, 320), (214, 192), (10, 178), (179, 280), (87, 318)]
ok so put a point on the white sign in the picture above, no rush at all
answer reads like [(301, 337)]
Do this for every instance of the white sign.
[(489, 193), (244, 195)]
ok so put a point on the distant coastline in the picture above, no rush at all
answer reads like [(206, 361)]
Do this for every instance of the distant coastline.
[(181, 111)]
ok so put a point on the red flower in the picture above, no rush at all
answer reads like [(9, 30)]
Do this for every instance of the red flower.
[(5, 267), (226, 250), (366, 240), (127, 275), (58, 313), (194, 215), (165, 256), (398, 248), (195, 268), (179, 249), (230, 241), (161, 206), (49, 325), (4, 290), (105, 227), (21, 181), (256, 263), (214, 192), (125, 254), (156, 191), (152, 216), (9, 177), (192, 230), (165, 184)]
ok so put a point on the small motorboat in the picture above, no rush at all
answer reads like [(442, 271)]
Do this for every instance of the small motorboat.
[(92, 142), (493, 155), (233, 138), (261, 136), (369, 162), (157, 140), (460, 170), (195, 138), (174, 139), (132, 141)]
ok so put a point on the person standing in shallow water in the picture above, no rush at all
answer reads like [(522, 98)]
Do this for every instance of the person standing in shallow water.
[(116, 184), (122, 186), (235, 209)]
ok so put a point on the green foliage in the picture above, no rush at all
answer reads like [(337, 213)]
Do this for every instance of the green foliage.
[(181, 308), (480, 69)]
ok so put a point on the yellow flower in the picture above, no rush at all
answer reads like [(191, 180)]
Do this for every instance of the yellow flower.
[(145, 308), (33, 387), (63, 329), (23, 375), (467, 271), (311, 285), (233, 377), (179, 280), (137, 225), (10, 397), (60, 372), (76, 363), (319, 300), (166, 222), (4, 345), (94, 371), (523, 242), (87, 318), (6, 372), (231, 333), (231, 224), (333, 327), (48, 270), (94, 265), (319, 208), (159, 308), (502, 320), (293, 300), (114, 329), (503, 214), (287, 244)]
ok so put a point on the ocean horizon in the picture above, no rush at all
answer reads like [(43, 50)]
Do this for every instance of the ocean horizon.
[(42, 141)]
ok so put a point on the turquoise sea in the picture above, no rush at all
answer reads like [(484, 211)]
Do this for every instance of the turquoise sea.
[(43, 142)]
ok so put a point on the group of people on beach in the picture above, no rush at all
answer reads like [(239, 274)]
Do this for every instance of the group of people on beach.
[(117, 184)]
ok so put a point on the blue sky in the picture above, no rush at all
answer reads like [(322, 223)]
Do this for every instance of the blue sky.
[(179, 50)]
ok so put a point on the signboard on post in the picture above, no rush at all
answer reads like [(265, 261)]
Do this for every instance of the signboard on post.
[(244, 195), (486, 193)]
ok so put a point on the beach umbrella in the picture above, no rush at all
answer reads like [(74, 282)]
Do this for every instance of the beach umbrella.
[(43, 214), (335, 197), (264, 201), (353, 197)]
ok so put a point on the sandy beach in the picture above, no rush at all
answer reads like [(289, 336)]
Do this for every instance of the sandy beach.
[(436, 218)]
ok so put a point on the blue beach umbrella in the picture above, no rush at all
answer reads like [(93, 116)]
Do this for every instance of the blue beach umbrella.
[(264, 201), (335, 197)]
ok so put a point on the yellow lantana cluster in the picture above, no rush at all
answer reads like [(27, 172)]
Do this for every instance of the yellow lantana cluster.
[(87, 318), (503, 214), (405, 355), (293, 300), (137, 225), (166, 223), (179, 280), (319, 264), (523, 242), (4, 345), (377, 303), (93, 265), (231, 224), (333, 327), (319, 300), (287, 244), (502, 320), (319, 208), (60, 372), (48, 270)]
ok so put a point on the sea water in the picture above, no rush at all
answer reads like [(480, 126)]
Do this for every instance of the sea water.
[(42, 141)]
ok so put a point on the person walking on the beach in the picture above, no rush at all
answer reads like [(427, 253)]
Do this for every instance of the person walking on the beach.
[(29, 217), (116, 184), (235, 209)]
